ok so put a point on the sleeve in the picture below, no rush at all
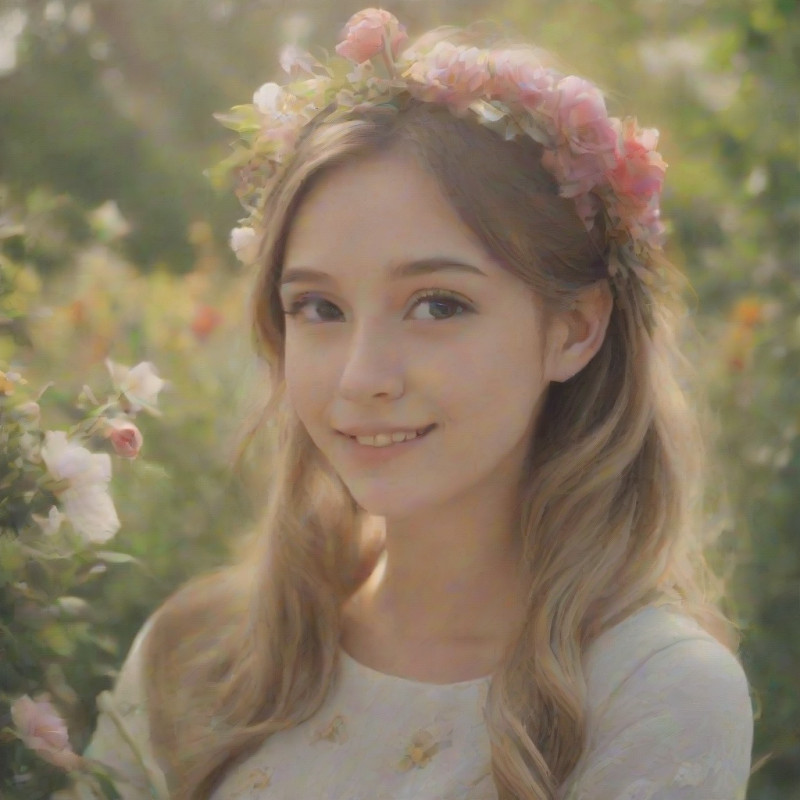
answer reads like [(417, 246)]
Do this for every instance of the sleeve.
[(121, 740), (679, 727)]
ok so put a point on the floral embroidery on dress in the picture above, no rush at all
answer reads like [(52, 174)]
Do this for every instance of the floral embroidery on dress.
[(253, 780), (335, 731), (422, 748)]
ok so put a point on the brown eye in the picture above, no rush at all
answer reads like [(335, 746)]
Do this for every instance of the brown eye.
[(443, 305)]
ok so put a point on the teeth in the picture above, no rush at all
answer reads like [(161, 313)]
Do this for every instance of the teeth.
[(385, 439)]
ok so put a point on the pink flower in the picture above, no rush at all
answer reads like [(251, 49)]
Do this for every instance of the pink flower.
[(125, 437), (367, 33), (451, 74), (639, 173), (576, 174), (583, 121), (519, 77), (42, 730)]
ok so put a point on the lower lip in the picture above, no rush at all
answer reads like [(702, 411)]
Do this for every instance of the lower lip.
[(378, 455)]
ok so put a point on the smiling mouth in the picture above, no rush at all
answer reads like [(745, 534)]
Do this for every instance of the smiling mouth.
[(387, 439)]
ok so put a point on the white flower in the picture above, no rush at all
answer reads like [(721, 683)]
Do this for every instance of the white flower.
[(267, 99), (139, 384), (51, 524), (108, 222), (245, 244), (85, 500)]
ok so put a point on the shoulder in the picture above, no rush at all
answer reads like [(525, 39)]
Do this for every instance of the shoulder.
[(645, 642), (669, 713)]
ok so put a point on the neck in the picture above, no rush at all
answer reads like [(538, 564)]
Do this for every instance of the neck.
[(446, 576)]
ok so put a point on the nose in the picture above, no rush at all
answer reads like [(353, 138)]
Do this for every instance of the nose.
[(373, 367)]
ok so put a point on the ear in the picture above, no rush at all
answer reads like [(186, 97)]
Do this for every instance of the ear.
[(575, 335)]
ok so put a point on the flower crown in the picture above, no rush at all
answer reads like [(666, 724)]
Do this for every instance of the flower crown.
[(604, 164)]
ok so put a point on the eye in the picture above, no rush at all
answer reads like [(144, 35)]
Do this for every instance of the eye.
[(443, 305), (323, 306)]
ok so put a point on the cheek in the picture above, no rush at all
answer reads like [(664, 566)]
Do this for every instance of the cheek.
[(504, 382), (306, 378)]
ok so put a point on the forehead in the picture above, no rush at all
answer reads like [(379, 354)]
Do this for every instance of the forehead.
[(383, 208)]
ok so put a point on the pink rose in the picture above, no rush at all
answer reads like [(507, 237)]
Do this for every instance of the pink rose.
[(125, 437), (519, 77), (367, 33), (42, 730), (576, 174), (639, 173), (451, 74), (583, 121)]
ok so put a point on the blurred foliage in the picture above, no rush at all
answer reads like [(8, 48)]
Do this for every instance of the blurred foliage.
[(109, 100)]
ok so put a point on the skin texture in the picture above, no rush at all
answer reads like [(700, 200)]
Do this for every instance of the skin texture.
[(365, 350)]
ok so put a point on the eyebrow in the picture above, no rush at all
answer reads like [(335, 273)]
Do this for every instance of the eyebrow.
[(423, 266)]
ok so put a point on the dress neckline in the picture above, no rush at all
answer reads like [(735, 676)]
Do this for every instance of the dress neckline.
[(357, 666)]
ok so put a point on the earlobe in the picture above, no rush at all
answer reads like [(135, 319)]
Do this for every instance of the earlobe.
[(578, 333)]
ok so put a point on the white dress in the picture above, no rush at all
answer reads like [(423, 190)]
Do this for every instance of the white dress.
[(669, 718)]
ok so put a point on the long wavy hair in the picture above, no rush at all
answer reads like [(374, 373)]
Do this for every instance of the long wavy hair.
[(610, 511)]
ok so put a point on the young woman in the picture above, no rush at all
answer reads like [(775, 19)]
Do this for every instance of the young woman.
[(479, 575)]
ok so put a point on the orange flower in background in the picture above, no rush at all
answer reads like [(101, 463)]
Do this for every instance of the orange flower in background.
[(206, 320), (748, 312), (744, 317), (6, 384)]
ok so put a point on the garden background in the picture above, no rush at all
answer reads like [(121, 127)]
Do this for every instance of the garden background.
[(114, 245)]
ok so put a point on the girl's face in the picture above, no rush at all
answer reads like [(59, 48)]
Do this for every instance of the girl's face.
[(399, 321)]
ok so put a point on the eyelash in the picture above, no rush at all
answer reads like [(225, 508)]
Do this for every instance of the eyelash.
[(296, 306)]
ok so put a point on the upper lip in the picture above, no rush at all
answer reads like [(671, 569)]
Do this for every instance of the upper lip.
[(374, 430)]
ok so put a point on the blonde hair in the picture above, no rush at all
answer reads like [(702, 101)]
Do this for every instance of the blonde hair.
[(609, 507)]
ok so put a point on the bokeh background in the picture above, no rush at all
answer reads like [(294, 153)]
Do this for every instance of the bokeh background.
[(118, 247)]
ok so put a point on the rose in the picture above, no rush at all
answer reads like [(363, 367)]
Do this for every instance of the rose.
[(583, 122), (519, 77), (367, 33), (42, 730), (245, 244), (639, 173), (451, 74), (576, 174), (124, 436), (83, 489)]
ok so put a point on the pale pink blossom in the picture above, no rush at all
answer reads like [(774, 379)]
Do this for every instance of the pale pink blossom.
[(583, 121), (576, 174), (519, 77), (124, 436), (244, 242), (139, 385), (83, 491), (367, 34), (296, 62), (452, 74), (41, 729)]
